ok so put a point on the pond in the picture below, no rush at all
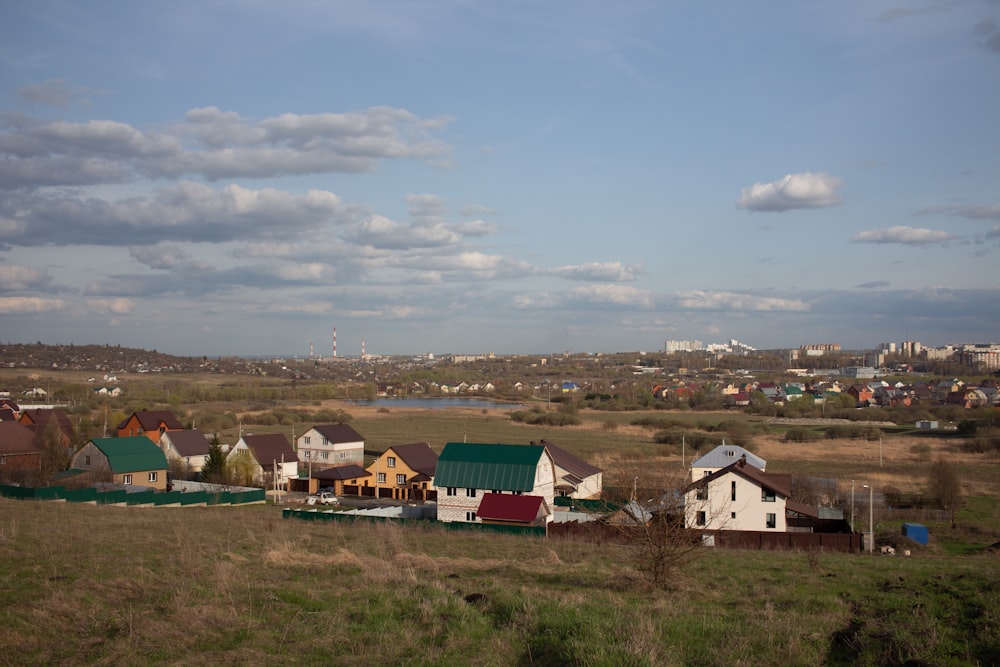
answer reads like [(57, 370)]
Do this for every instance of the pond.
[(439, 403)]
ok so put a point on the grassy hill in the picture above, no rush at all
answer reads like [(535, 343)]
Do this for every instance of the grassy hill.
[(109, 585)]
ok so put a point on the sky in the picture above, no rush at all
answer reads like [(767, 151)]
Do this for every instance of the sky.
[(229, 177)]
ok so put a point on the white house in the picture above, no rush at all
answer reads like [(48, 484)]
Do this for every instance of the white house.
[(329, 445), (188, 446), (270, 453), (741, 497), (467, 471), (575, 478)]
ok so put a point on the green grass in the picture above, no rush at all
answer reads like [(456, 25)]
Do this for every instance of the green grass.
[(224, 585)]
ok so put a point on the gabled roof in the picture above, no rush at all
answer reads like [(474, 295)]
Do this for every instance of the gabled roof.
[(40, 417), (350, 471), (418, 456), (339, 433), (725, 455), (190, 442), (507, 507), (150, 420), (270, 448), (136, 453), (780, 484), (17, 439), (573, 465), (488, 466)]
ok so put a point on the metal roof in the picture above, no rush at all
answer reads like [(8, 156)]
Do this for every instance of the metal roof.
[(134, 454), (488, 466), (725, 455)]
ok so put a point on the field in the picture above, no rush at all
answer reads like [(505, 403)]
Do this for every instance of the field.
[(110, 585)]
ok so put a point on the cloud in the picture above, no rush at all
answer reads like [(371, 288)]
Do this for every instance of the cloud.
[(704, 300), (599, 271), (980, 212), (426, 206), (21, 305), (381, 232), (160, 256), (214, 145), (899, 13), (905, 235), (55, 92), (119, 306), (874, 284), (15, 277), (805, 190), (183, 212), (590, 297)]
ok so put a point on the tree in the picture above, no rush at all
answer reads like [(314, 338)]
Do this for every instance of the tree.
[(55, 458), (214, 469), (943, 485)]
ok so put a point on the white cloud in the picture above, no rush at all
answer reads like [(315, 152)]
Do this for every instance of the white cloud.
[(15, 277), (900, 234), (119, 306), (382, 232), (590, 296), (602, 271), (805, 190), (703, 300), (160, 256), (982, 212), (22, 305)]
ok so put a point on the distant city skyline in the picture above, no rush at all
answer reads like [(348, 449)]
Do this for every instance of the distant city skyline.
[(219, 178)]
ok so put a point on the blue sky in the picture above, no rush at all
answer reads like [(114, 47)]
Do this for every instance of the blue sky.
[(222, 177)]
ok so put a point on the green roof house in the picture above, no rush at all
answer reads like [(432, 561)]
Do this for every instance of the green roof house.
[(465, 471), (132, 460)]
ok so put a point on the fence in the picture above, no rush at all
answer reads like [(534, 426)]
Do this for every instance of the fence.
[(329, 515), (140, 498)]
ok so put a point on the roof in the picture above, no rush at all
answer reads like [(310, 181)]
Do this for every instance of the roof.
[(350, 471), (725, 455), (573, 465), (42, 416), (780, 484), (339, 433), (191, 442), (150, 420), (17, 439), (418, 456), (133, 454), (488, 466), (270, 448), (507, 507)]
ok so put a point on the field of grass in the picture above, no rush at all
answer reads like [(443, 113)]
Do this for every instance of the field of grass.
[(109, 585)]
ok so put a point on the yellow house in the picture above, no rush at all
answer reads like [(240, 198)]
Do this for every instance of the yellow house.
[(403, 472), (135, 460)]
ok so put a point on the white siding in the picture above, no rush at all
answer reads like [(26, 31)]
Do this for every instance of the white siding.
[(750, 509)]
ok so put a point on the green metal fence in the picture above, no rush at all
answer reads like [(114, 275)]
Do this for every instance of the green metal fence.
[(120, 497)]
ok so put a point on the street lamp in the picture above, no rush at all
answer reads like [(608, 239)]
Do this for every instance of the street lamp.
[(871, 517)]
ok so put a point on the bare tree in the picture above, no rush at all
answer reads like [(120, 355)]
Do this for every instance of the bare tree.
[(944, 485)]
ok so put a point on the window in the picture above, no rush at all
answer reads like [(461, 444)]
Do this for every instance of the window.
[(771, 520), (496, 491), (702, 493), (733, 490), (700, 519), (307, 453), (470, 516), (152, 477), (470, 493), (452, 491), (87, 460), (126, 479), (766, 496), (400, 479), (326, 455), (732, 515), (390, 461), (381, 478), (306, 439), (342, 455), (325, 441)]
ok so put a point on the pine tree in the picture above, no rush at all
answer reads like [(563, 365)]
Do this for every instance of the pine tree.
[(214, 470)]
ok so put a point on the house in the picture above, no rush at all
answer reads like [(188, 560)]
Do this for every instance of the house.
[(508, 510), (150, 423), (269, 454), (329, 445), (404, 472), (741, 497), (575, 478), (722, 456), (39, 419), (128, 460), (114, 392), (465, 471), (569, 387), (9, 410), (20, 458), (190, 447)]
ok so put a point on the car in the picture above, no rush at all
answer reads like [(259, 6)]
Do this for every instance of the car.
[(322, 498)]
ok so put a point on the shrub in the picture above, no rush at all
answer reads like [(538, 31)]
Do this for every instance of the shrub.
[(801, 434)]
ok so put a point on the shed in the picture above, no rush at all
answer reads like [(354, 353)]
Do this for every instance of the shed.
[(916, 532)]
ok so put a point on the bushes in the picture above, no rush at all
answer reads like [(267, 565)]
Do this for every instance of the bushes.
[(801, 434), (539, 417), (853, 432)]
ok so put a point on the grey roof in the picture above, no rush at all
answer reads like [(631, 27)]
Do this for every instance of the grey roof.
[(725, 455), (337, 433), (188, 443)]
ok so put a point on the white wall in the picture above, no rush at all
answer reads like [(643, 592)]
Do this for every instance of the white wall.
[(750, 510)]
